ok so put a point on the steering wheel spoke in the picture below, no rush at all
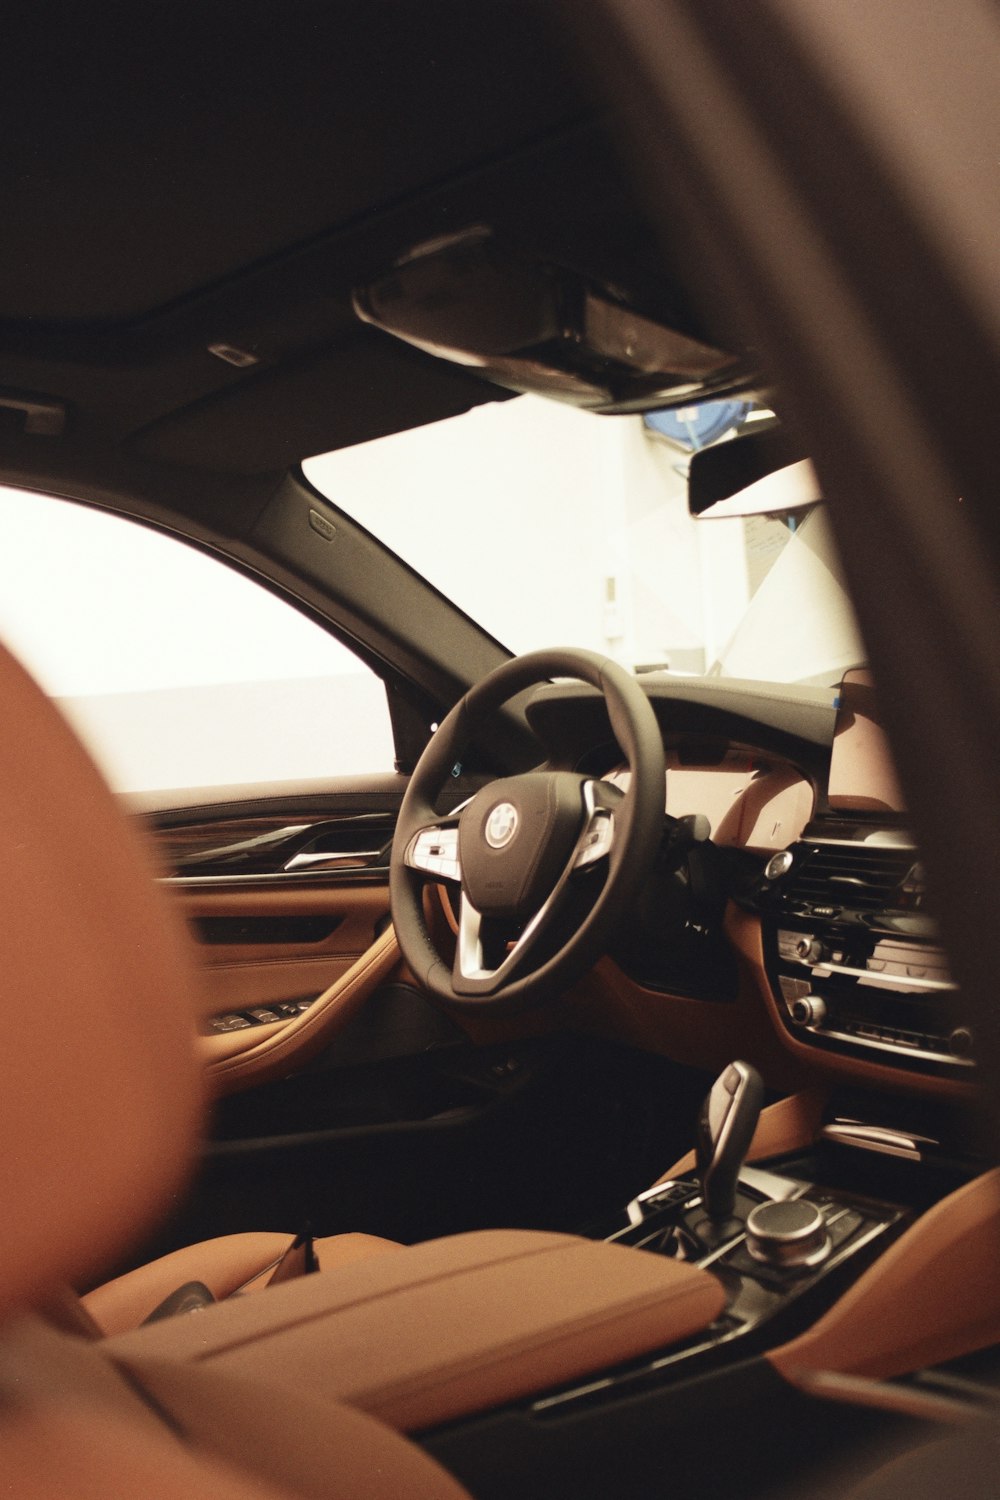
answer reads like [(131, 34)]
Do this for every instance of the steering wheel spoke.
[(598, 836), (433, 851)]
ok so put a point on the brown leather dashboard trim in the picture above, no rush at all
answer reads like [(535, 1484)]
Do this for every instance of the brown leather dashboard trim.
[(932, 1296), (446, 1328), (884, 1395)]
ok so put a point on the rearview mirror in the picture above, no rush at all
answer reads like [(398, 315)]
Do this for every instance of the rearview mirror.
[(533, 326)]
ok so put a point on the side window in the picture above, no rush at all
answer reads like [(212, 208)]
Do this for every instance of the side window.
[(176, 670)]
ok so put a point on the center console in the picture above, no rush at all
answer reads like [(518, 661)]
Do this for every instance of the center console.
[(853, 955), (783, 1241), (852, 951)]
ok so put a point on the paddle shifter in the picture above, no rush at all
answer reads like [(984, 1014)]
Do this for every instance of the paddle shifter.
[(725, 1128)]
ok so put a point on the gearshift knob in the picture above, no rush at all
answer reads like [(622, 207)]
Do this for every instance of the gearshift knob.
[(725, 1128)]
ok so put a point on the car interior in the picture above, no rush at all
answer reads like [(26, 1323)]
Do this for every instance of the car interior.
[(592, 1103)]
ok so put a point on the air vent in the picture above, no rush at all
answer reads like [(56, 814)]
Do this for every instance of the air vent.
[(859, 877)]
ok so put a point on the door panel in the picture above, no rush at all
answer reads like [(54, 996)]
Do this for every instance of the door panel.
[(285, 891), (260, 944), (286, 897)]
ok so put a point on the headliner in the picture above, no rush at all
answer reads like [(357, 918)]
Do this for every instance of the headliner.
[(179, 175)]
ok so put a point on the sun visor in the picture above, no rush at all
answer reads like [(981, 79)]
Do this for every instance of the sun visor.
[(363, 389)]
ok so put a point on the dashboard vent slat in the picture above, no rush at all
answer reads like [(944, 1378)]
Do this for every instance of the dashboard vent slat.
[(859, 876)]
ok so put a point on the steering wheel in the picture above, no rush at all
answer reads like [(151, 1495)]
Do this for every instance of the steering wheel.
[(546, 862)]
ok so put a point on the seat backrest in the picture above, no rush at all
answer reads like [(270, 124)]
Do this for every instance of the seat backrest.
[(100, 1093), (101, 1101)]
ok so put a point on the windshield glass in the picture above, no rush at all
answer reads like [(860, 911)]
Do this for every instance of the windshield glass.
[(552, 526)]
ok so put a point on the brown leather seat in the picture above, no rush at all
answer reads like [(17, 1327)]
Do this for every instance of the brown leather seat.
[(240, 1263), (102, 1102)]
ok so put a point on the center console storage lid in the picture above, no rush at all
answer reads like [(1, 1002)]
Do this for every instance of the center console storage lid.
[(446, 1328)]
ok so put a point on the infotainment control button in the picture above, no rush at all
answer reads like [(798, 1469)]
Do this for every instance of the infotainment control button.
[(791, 1234)]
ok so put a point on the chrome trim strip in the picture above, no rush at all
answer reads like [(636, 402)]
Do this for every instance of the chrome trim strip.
[(870, 841), (881, 1138), (879, 980), (278, 877), (342, 860), (897, 1051), (774, 1187)]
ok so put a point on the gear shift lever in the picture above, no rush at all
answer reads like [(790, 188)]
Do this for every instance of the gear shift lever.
[(725, 1127)]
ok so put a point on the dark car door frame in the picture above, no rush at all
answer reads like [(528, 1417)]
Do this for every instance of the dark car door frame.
[(834, 171)]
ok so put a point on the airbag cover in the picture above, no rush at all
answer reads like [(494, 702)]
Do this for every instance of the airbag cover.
[(516, 837)]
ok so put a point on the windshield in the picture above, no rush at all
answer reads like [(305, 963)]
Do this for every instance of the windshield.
[(552, 526)]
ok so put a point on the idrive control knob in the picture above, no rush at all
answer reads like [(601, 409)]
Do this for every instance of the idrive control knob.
[(791, 1234), (808, 1010)]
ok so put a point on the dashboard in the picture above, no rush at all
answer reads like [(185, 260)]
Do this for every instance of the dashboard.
[(786, 918), (749, 802), (783, 807)]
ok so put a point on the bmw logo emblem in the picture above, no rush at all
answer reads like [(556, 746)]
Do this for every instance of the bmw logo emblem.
[(501, 825)]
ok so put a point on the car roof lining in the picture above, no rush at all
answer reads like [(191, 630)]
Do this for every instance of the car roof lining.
[(190, 175), (201, 135)]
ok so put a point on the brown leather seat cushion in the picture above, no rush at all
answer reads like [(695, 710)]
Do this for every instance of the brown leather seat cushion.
[(234, 1262)]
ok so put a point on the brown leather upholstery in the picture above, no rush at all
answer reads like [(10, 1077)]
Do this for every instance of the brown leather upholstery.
[(234, 1262), (235, 1060), (99, 1011), (944, 1266), (101, 1095), (73, 1424), (101, 1101), (446, 1328)]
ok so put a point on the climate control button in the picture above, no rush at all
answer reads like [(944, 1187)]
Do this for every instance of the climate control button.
[(809, 950)]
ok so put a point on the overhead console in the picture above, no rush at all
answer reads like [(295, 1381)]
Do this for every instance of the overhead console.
[(852, 952)]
